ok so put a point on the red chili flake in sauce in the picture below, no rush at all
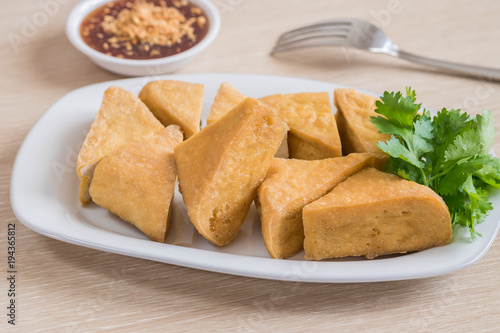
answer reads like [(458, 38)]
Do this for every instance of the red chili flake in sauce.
[(144, 29)]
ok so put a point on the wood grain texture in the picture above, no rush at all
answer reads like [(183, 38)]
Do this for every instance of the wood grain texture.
[(66, 288)]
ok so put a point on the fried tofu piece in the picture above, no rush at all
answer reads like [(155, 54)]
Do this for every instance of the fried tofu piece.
[(291, 184), (226, 99), (221, 167), (313, 129), (122, 118), (137, 182), (313, 132), (357, 132), (175, 102), (374, 213)]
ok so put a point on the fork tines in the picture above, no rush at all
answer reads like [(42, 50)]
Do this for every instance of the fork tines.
[(326, 33)]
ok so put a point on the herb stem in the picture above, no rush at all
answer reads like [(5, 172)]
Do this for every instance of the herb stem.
[(424, 178), (432, 178)]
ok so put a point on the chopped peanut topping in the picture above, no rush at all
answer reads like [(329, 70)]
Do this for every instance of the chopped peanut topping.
[(146, 23)]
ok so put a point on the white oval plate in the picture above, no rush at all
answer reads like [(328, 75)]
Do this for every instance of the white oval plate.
[(44, 189)]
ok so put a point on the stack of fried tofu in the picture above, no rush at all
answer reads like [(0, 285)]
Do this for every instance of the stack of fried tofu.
[(314, 175)]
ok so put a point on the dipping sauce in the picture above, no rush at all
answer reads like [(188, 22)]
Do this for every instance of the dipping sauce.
[(144, 29)]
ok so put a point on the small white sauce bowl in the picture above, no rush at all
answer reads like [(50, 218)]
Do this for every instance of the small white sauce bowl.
[(132, 67)]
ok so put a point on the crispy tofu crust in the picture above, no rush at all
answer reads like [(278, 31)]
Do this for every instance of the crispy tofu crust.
[(291, 184), (221, 167), (226, 99), (374, 213), (313, 129), (313, 132), (122, 118), (175, 102), (358, 134), (137, 182)]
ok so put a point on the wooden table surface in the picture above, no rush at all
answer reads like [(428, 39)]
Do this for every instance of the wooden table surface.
[(66, 288)]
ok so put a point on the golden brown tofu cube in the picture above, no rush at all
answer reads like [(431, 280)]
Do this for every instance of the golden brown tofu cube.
[(137, 182), (291, 184), (228, 98), (357, 132), (374, 213), (175, 103), (313, 130), (221, 167), (122, 118)]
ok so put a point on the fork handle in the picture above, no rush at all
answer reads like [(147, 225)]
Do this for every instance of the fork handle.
[(490, 74)]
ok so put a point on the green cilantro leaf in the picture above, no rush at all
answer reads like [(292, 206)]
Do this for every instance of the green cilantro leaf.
[(395, 148), (490, 171), (423, 136), (466, 144), (483, 125), (459, 173), (398, 109)]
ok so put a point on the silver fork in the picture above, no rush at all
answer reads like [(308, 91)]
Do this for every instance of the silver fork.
[(366, 36)]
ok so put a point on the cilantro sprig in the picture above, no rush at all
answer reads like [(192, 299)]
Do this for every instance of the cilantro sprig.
[(447, 152)]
